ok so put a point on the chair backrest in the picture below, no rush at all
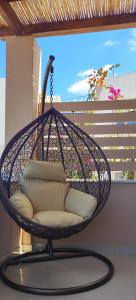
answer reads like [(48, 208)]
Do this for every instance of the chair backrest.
[(37, 169), (44, 183)]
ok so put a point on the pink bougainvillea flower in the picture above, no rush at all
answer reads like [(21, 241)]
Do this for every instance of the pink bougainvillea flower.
[(112, 90), (114, 93), (88, 161), (110, 98)]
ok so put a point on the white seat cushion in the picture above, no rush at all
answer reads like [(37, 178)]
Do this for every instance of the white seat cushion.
[(57, 218), (80, 203), (22, 204), (36, 169), (45, 195)]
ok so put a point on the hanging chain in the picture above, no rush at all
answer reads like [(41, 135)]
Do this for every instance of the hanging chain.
[(51, 85)]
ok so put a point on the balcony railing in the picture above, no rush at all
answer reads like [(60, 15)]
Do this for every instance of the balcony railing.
[(112, 124)]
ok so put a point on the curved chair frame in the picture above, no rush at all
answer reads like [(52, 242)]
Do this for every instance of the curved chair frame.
[(51, 130), (58, 253)]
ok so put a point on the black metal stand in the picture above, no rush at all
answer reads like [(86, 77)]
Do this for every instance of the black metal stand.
[(50, 254)]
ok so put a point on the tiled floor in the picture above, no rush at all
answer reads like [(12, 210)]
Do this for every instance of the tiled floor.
[(121, 287)]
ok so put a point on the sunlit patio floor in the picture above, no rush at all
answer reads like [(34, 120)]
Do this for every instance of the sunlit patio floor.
[(73, 272)]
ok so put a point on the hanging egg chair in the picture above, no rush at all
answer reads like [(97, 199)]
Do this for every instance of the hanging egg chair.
[(53, 154)]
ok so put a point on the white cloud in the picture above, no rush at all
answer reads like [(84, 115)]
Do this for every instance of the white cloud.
[(132, 44), (133, 32), (80, 87), (107, 67), (86, 73), (132, 40), (110, 43)]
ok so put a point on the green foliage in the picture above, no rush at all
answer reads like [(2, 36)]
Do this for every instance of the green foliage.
[(128, 175), (74, 174)]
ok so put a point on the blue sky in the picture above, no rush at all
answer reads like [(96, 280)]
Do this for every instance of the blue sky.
[(77, 53)]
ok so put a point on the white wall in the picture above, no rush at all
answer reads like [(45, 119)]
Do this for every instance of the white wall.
[(2, 113), (126, 82), (115, 227), (22, 68), (22, 71)]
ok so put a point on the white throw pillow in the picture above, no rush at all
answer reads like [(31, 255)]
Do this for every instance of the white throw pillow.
[(22, 204), (57, 218), (45, 195), (36, 169), (80, 203)]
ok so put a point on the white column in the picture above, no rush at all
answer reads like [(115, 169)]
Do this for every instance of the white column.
[(22, 80), (2, 114), (22, 85)]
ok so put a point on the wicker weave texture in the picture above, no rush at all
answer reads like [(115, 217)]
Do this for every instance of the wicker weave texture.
[(52, 137)]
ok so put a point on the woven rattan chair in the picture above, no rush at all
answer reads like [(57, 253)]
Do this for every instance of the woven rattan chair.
[(54, 180)]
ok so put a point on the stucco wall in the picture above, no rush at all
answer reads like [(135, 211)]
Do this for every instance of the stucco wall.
[(2, 113), (9, 233), (115, 226), (126, 82), (22, 71), (21, 84)]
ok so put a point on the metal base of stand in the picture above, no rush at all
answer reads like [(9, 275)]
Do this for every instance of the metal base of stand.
[(50, 254)]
